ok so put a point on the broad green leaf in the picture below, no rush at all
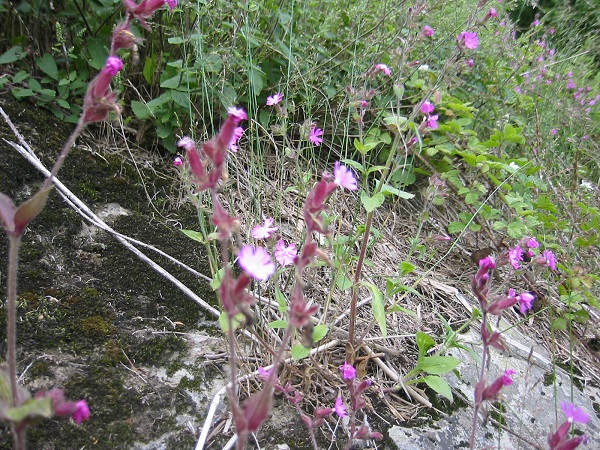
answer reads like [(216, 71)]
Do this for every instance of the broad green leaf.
[(439, 385), (371, 203), (358, 166), (281, 301), (343, 282), (141, 110), (319, 332), (195, 235), (437, 365), (278, 324), (47, 65), (378, 306), (149, 69), (364, 148), (387, 189), (299, 352), (398, 308), (257, 80), (406, 267), (12, 54), (216, 282), (456, 227), (20, 93), (424, 342), (237, 320), (181, 98), (32, 408)]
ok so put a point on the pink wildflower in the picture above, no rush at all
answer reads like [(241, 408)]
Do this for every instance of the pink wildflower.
[(178, 162), (468, 39), (315, 136), (81, 413), (238, 132), (343, 177), (348, 371), (574, 413), (514, 256), (532, 243), (571, 84), (553, 131), (256, 262), (470, 63), (525, 302), (427, 107), (285, 255), (340, 408), (274, 99), (238, 114), (432, 122), (172, 4), (264, 231), (492, 13), (428, 31), (383, 68), (550, 258)]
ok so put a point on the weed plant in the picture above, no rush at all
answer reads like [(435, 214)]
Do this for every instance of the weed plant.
[(390, 103)]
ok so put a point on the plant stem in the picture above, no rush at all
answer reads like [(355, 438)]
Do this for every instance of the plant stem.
[(14, 242), (481, 376)]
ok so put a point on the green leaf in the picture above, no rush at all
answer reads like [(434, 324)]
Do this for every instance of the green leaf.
[(343, 282), (319, 332), (216, 282), (281, 301), (406, 268), (20, 93), (437, 365), (237, 320), (358, 166), (149, 69), (371, 203), (47, 65), (456, 227), (31, 408), (257, 80), (141, 110), (181, 98), (13, 54), (424, 342), (364, 148), (299, 352), (378, 306), (398, 308), (195, 235), (278, 324), (439, 385)]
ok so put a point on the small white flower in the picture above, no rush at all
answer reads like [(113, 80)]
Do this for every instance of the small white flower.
[(514, 166), (587, 184), (424, 67)]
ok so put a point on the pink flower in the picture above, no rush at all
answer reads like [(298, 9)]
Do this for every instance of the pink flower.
[(492, 13), (574, 413), (285, 255), (238, 114), (553, 131), (187, 143), (264, 231), (113, 65), (383, 68), (470, 62), (514, 256), (82, 412), (238, 132), (264, 374), (427, 107), (178, 162), (571, 84), (172, 4), (343, 177), (491, 392), (274, 99), (532, 243), (340, 408), (256, 262), (550, 258), (525, 302), (348, 372), (315, 136), (428, 31), (468, 39), (432, 122)]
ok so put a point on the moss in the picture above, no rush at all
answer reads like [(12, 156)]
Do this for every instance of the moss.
[(40, 369), (549, 378), (190, 384), (96, 326), (159, 349)]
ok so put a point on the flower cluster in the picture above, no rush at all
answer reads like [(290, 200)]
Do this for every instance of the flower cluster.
[(427, 108), (560, 440)]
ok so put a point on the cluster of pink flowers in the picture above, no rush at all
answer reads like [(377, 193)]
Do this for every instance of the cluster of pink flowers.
[(518, 254), (427, 108)]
